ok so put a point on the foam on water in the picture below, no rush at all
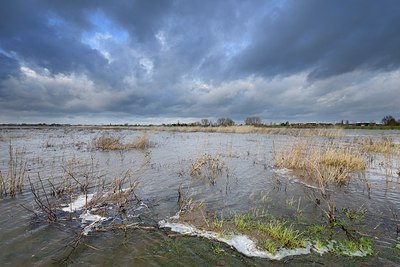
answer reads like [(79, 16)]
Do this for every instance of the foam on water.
[(241, 243)]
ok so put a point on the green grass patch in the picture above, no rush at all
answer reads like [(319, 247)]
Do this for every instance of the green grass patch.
[(353, 247)]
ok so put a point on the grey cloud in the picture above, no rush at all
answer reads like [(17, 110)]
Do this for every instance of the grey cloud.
[(9, 67), (275, 59), (326, 37)]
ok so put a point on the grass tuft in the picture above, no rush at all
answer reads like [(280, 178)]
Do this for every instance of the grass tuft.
[(13, 182), (208, 167), (109, 143), (383, 146), (323, 162)]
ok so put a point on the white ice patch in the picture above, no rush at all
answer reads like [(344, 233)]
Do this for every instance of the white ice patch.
[(78, 204), (94, 219), (241, 243), (88, 217)]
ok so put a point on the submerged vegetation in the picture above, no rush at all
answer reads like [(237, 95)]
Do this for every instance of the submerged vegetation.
[(207, 167)]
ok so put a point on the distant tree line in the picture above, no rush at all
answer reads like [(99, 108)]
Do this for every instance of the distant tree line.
[(253, 121), (389, 120), (226, 121)]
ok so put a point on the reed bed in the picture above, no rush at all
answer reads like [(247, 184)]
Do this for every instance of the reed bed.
[(321, 161), (109, 143), (384, 145), (238, 129)]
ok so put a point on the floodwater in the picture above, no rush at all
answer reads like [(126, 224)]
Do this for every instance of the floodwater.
[(249, 182)]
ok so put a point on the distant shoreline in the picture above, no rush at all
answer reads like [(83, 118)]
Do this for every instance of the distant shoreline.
[(197, 128)]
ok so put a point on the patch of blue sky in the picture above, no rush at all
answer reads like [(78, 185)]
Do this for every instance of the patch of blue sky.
[(104, 26)]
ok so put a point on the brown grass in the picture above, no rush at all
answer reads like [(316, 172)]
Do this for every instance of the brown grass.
[(106, 143), (13, 182), (322, 162), (246, 129), (208, 167), (142, 142), (238, 129), (384, 146), (109, 143)]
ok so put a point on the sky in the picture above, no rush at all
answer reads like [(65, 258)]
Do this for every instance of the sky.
[(163, 61)]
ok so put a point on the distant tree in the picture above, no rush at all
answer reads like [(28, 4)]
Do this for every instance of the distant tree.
[(389, 120), (205, 122), (252, 121), (225, 122)]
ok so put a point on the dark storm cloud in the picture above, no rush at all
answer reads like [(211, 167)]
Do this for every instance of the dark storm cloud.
[(27, 31), (326, 37), (278, 59), (9, 67)]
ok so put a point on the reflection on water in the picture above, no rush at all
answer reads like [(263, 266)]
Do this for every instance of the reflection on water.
[(249, 182)]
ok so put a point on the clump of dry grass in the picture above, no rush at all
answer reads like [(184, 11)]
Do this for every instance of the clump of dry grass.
[(108, 143), (208, 167), (343, 158), (384, 146), (329, 133), (13, 182), (142, 142), (322, 162)]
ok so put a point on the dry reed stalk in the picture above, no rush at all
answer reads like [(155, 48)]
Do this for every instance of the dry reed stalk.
[(13, 182), (107, 143), (249, 129), (384, 146), (45, 205), (208, 167), (142, 142), (116, 192), (2, 185), (323, 162)]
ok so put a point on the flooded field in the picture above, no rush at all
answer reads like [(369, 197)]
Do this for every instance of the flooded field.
[(86, 196)]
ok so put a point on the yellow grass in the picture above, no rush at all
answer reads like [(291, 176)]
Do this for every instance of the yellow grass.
[(322, 162), (385, 145), (107, 143), (239, 129), (208, 167), (142, 142)]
